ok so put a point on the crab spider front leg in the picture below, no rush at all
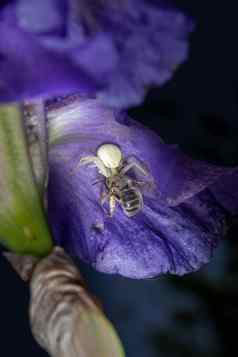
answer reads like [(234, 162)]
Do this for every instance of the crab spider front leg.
[(87, 160), (133, 163)]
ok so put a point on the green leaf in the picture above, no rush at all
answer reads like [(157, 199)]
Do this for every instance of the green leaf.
[(23, 226)]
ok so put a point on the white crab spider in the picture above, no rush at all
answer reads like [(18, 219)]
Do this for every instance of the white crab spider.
[(119, 186), (109, 160)]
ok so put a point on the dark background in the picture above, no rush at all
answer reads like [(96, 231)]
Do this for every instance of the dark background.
[(198, 108), (196, 315)]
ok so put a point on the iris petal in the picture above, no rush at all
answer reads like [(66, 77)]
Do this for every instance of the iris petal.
[(115, 50), (29, 70), (177, 238)]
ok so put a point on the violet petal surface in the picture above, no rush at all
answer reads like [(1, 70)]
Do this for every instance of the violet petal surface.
[(114, 49), (181, 222)]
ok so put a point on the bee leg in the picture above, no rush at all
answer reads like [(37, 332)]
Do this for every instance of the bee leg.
[(133, 163), (112, 205), (104, 196)]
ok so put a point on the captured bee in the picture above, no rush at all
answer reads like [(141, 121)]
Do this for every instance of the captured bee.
[(126, 192), (119, 187)]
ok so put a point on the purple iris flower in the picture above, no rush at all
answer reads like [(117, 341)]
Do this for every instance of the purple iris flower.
[(115, 49), (182, 219)]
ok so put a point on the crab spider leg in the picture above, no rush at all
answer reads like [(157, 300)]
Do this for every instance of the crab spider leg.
[(97, 182), (87, 160), (132, 162)]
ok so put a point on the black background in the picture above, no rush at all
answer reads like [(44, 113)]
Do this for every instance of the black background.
[(198, 110)]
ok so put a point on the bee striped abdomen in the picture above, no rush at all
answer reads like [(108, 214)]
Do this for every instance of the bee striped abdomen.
[(131, 201)]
